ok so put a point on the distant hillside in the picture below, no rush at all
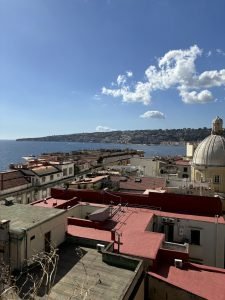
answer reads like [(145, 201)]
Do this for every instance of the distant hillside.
[(133, 137)]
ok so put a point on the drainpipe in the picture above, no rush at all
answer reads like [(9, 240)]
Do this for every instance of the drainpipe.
[(216, 229)]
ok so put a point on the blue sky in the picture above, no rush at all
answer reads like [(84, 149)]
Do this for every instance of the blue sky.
[(69, 66)]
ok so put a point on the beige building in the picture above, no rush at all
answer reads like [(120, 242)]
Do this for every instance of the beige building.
[(14, 186), (27, 230), (96, 182), (208, 163)]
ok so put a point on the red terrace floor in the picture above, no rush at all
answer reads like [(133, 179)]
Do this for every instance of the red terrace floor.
[(131, 225), (207, 282), (50, 202)]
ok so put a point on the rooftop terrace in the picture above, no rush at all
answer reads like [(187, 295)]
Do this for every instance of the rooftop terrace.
[(130, 226), (82, 274)]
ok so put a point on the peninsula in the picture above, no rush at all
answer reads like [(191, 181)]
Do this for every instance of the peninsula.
[(155, 136)]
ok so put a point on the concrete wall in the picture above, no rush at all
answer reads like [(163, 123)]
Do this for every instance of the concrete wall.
[(192, 205), (82, 211)]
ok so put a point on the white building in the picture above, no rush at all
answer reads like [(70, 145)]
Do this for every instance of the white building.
[(27, 230), (208, 163), (205, 235)]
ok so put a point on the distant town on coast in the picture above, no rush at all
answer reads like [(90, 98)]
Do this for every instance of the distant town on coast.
[(156, 136)]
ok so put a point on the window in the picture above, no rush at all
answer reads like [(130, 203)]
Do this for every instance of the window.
[(64, 172), (32, 238), (51, 177), (216, 179), (43, 179), (195, 237), (185, 169), (70, 170)]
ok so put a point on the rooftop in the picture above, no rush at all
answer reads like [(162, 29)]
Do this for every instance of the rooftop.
[(45, 170), (12, 179), (49, 202), (206, 282), (143, 184), (130, 225), (82, 274), (90, 180), (26, 216)]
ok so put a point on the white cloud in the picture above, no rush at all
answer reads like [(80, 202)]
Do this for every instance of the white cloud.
[(210, 79), (121, 79), (103, 128), (192, 97), (175, 69), (129, 74), (154, 114), (220, 51), (209, 53)]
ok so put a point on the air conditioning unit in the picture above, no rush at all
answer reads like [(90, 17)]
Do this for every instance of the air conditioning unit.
[(170, 220), (178, 263), (100, 247)]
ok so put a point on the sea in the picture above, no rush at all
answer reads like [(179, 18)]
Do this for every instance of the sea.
[(12, 151)]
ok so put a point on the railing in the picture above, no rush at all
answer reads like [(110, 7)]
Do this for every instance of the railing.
[(176, 247)]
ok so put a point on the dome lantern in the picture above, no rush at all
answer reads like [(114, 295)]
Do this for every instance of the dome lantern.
[(211, 151), (217, 126)]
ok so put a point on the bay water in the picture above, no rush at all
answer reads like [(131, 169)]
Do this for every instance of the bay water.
[(12, 151)]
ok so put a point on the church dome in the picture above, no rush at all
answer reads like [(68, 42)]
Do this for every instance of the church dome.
[(210, 152)]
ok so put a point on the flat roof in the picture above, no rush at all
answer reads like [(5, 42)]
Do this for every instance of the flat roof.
[(220, 219), (88, 276), (204, 281), (143, 184), (89, 180), (25, 216), (50, 202), (130, 224)]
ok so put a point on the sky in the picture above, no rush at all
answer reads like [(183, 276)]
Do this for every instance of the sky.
[(73, 66)]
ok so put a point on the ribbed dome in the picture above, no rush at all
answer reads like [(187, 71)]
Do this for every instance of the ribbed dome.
[(210, 152)]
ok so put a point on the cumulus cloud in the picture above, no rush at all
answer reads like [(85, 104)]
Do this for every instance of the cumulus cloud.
[(175, 69), (154, 114), (103, 128), (192, 97)]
